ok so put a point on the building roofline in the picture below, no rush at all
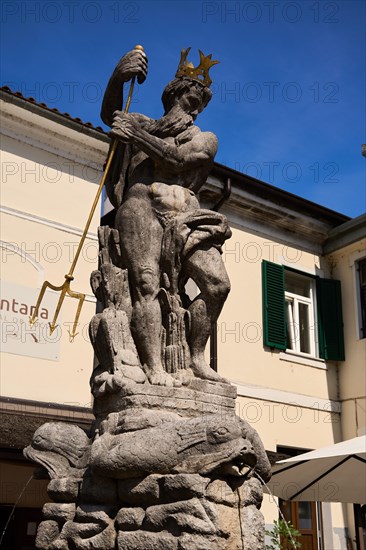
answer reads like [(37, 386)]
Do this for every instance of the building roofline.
[(279, 196), (242, 181), (345, 234), (41, 109)]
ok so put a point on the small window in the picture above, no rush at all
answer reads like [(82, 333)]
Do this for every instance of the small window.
[(300, 313)]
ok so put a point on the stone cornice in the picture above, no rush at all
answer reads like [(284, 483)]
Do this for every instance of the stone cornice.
[(270, 212), (51, 132), (346, 234)]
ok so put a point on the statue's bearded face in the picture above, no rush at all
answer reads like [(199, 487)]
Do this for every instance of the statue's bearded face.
[(190, 96), (191, 102)]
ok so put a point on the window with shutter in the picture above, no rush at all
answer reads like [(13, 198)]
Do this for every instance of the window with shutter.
[(274, 314), (330, 319), (302, 313)]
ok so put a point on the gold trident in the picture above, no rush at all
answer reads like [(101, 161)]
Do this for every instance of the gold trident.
[(65, 287)]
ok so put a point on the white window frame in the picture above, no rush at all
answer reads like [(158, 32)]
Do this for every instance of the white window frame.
[(310, 302)]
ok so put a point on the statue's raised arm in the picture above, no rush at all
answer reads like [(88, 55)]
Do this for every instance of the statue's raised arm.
[(132, 64)]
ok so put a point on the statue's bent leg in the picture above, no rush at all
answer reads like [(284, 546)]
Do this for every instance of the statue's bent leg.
[(207, 270), (141, 236)]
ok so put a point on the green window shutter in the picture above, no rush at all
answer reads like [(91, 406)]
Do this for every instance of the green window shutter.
[(330, 320), (274, 309)]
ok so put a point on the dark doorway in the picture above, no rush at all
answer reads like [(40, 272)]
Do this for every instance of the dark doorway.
[(360, 525), (21, 531)]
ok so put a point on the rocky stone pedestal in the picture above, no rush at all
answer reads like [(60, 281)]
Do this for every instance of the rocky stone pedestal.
[(179, 512), (190, 512), (163, 468)]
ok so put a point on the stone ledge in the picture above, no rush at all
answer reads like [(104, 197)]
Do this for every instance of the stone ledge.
[(216, 388), (201, 397)]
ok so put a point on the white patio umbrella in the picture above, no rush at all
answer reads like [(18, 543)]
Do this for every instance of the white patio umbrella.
[(330, 474)]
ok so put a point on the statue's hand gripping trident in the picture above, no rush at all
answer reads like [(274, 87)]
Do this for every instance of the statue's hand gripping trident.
[(129, 74)]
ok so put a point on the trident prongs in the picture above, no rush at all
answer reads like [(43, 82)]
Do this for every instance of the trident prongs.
[(34, 318), (81, 298), (65, 287)]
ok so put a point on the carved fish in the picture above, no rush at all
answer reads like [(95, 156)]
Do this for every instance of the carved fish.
[(60, 448), (200, 445)]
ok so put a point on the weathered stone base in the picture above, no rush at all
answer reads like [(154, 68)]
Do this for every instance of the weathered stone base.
[(163, 468), (158, 512)]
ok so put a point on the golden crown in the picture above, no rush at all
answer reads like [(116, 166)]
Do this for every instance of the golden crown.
[(200, 73)]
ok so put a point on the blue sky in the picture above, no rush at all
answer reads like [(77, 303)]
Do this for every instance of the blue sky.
[(288, 104)]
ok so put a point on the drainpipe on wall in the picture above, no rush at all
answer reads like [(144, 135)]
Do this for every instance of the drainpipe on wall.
[(226, 192)]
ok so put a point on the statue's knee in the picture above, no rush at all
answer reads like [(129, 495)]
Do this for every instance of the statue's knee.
[(223, 289), (219, 290), (147, 281)]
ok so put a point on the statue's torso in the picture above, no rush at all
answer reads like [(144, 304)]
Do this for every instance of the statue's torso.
[(146, 171)]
